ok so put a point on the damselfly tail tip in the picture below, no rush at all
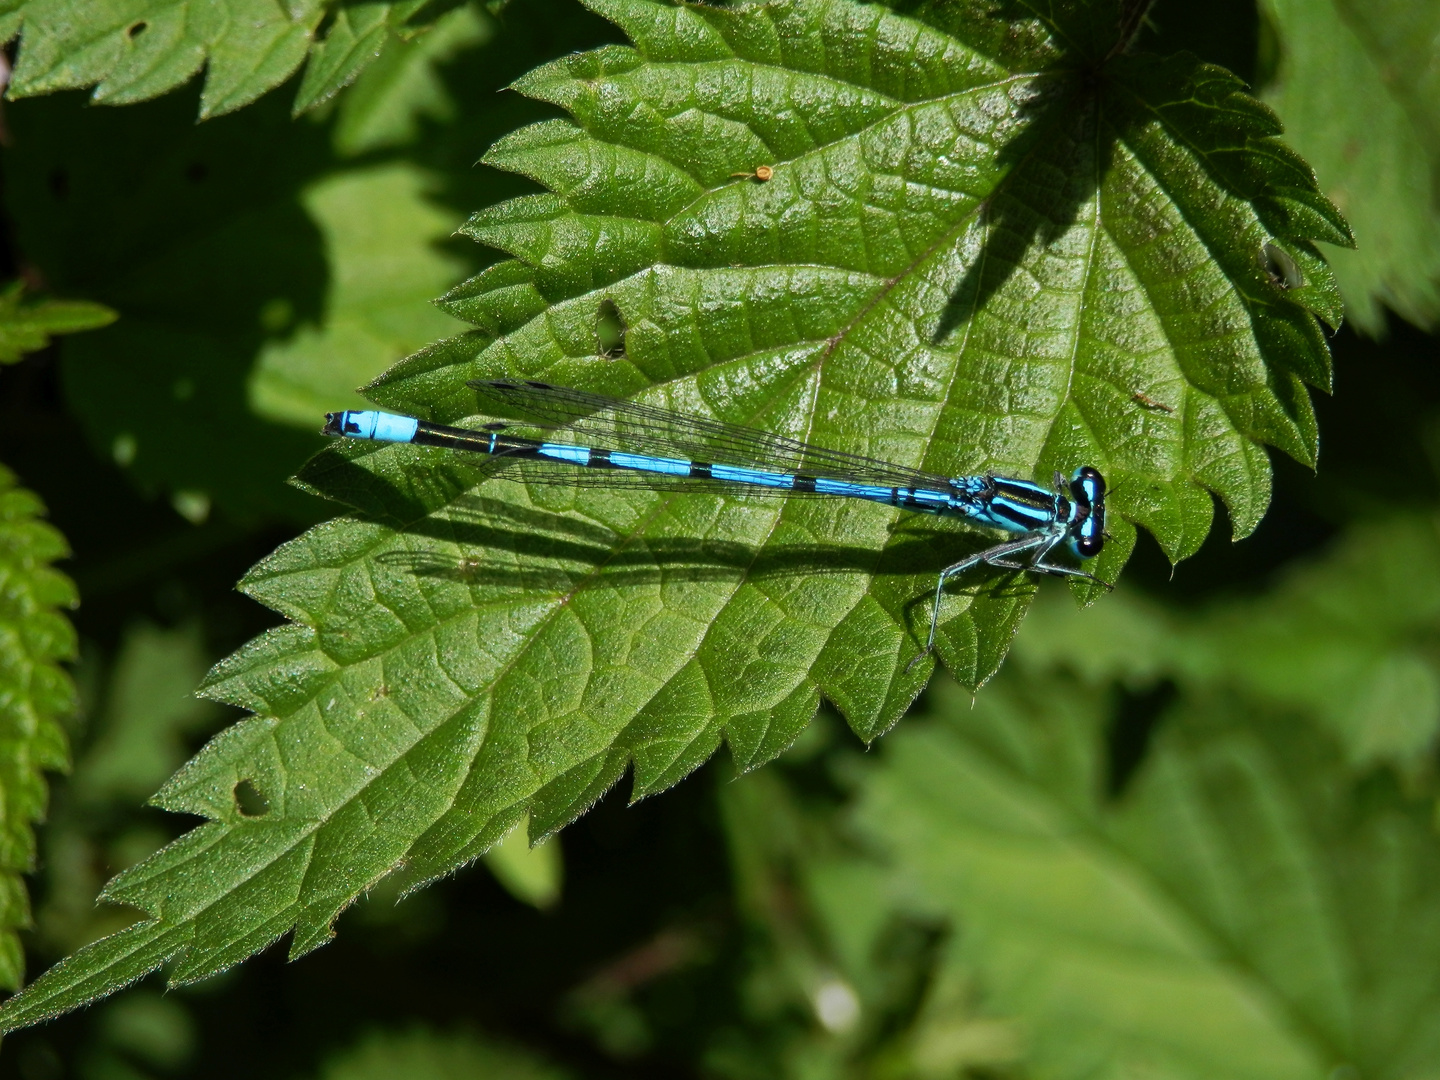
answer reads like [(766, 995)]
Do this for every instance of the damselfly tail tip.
[(333, 422)]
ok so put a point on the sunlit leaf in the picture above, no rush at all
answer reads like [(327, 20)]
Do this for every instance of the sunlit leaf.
[(132, 50), (976, 251), (533, 875), (379, 234)]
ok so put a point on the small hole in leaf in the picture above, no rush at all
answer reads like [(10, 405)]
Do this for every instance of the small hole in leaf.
[(1280, 267), (249, 801), (196, 172), (610, 330), (136, 29), (59, 184)]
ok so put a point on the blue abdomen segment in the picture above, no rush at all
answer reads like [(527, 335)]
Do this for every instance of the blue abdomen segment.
[(369, 424), (645, 463)]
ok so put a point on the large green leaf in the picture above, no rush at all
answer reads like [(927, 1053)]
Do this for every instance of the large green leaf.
[(132, 50), (35, 693), (1246, 911), (1360, 98), (985, 245)]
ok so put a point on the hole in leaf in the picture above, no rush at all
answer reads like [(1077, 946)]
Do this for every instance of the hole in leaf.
[(196, 172), (136, 29), (610, 330), (59, 183), (249, 801), (1279, 267), (1137, 713)]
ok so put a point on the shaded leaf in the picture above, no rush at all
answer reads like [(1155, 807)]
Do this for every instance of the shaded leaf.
[(27, 326), (1358, 92), (973, 253), (428, 1055), (1247, 911), (35, 693), (379, 234), (259, 289), (386, 104), (137, 735), (1347, 638)]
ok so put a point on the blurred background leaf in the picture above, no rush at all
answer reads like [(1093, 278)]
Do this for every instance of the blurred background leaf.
[(27, 325), (1229, 916), (1356, 84), (531, 874), (426, 1055)]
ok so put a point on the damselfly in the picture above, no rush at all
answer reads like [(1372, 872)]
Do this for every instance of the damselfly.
[(601, 441)]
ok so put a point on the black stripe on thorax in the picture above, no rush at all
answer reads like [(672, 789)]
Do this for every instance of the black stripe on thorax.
[(1024, 494), (1021, 517)]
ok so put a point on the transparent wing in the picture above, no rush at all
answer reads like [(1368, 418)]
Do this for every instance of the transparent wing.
[(576, 416)]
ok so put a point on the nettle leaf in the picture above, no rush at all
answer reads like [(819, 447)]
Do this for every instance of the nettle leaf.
[(1358, 91), (35, 694), (1245, 909), (133, 50), (977, 250)]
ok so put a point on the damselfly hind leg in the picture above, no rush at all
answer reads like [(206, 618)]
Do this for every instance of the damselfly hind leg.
[(994, 556)]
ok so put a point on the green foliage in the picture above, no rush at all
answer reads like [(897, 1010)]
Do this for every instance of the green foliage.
[(385, 106), (132, 50), (1248, 908), (1358, 91), (35, 694), (533, 875), (427, 1055), (28, 326), (135, 731), (378, 234), (259, 288), (1347, 638), (842, 979), (974, 253)]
